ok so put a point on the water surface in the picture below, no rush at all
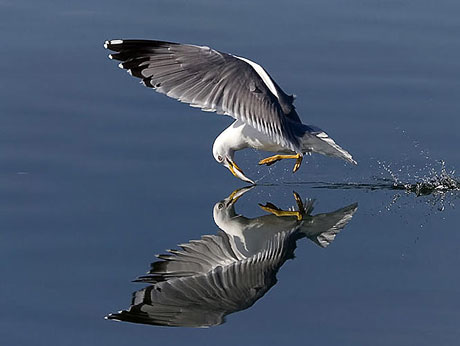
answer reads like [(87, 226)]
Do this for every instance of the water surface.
[(92, 186)]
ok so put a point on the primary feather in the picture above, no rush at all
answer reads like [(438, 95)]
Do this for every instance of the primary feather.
[(213, 81)]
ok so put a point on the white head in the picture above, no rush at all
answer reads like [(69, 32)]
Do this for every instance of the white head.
[(223, 154), (221, 151), (224, 211)]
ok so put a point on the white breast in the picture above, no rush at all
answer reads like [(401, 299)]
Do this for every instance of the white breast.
[(258, 140)]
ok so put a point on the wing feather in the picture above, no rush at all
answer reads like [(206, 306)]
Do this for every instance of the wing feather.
[(213, 81), (203, 298)]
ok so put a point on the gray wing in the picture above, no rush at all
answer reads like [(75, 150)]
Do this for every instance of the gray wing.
[(147, 311), (212, 81), (202, 295), (196, 257)]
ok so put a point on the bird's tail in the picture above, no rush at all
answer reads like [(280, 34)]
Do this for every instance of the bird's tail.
[(313, 139)]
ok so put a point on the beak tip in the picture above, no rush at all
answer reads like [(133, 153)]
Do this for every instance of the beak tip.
[(237, 172), (246, 179)]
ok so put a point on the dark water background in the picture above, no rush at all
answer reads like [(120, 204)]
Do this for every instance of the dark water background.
[(98, 174)]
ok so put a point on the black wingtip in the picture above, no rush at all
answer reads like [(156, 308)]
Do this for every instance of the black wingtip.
[(112, 44)]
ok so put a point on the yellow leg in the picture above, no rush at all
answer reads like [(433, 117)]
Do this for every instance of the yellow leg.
[(298, 162), (275, 158), (273, 209), (270, 208), (298, 200)]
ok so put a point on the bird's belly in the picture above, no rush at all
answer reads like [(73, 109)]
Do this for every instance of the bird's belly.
[(260, 141)]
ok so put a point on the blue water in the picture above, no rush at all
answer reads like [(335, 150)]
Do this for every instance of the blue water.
[(92, 186)]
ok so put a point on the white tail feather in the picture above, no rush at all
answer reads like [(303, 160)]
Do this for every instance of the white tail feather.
[(321, 143)]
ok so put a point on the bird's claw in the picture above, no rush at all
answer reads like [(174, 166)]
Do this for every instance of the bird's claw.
[(270, 208), (298, 162), (273, 209), (270, 160), (275, 158), (298, 200)]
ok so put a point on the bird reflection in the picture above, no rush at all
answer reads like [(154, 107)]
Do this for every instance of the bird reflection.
[(210, 278)]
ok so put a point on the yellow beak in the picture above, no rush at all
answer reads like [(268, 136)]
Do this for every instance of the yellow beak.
[(235, 195), (237, 172)]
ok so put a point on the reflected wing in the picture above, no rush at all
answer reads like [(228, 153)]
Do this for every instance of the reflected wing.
[(191, 296), (147, 307), (323, 228), (196, 257), (212, 81)]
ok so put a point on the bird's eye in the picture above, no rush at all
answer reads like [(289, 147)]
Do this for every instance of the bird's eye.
[(219, 158), (220, 206)]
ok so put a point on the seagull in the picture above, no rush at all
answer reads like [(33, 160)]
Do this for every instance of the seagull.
[(219, 274), (265, 116), (249, 233)]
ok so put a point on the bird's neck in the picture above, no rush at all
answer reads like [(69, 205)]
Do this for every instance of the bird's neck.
[(231, 138)]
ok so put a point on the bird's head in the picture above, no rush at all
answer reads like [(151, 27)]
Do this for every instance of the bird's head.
[(224, 211), (224, 155)]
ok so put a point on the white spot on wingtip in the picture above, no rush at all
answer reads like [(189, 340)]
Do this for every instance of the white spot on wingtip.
[(112, 42), (120, 65), (110, 56), (129, 71)]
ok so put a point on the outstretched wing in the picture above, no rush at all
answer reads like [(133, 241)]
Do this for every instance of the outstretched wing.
[(213, 81), (195, 257), (205, 281)]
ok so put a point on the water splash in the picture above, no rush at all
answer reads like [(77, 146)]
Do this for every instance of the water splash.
[(436, 181)]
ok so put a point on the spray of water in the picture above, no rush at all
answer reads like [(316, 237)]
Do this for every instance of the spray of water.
[(435, 181)]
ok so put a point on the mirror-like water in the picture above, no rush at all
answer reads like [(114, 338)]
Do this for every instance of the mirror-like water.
[(217, 275), (98, 174)]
